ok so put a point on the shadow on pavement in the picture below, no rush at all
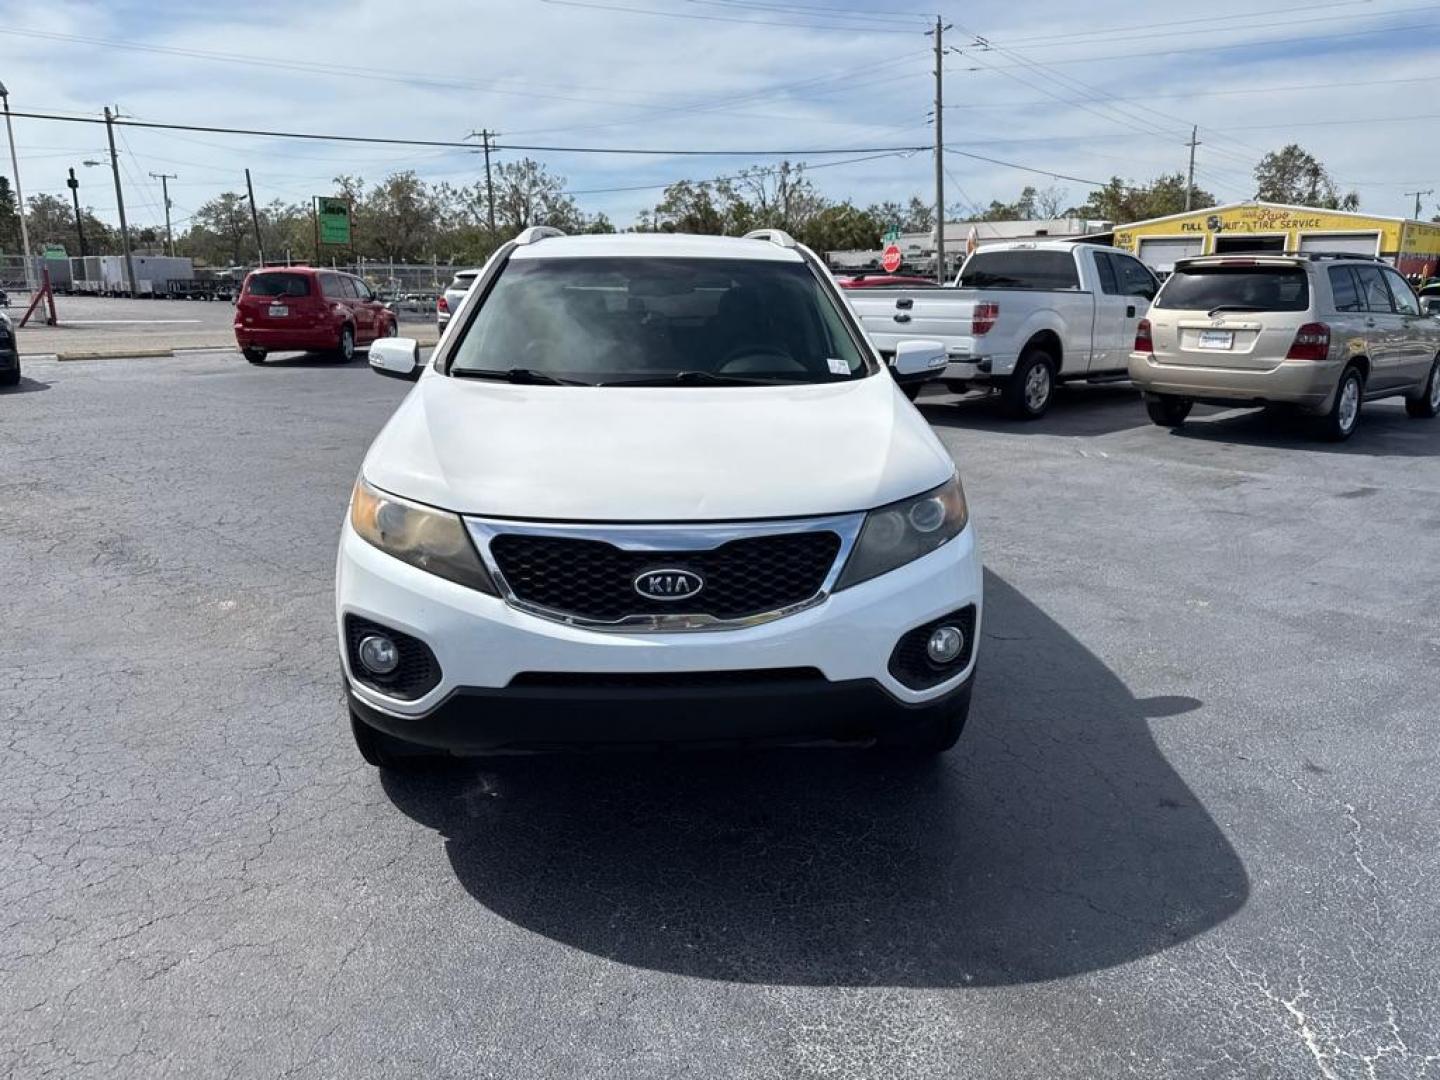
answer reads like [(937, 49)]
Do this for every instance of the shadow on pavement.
[(1384, 431), (1054, 840), (1076, 410), (313, 359), (26, 385)]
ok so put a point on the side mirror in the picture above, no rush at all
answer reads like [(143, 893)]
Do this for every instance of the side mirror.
[(919, 357), (397, 357), (1427, 305)]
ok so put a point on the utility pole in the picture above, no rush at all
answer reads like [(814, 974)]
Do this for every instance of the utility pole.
[(254, 218), (165, 194), (74, 186), (489, 185), (19, 197), (1190, 176), (120, 201), (939, 32), (1417, 195)]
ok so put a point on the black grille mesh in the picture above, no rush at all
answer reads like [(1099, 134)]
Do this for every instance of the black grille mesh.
[(595, 580), (418, 673), (912, 666)]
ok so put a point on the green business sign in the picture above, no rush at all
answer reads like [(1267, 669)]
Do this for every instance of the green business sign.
[(54, 251), (334, 218)]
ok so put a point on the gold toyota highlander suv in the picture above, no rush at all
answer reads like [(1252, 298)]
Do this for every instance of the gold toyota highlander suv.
[(1324, 332)]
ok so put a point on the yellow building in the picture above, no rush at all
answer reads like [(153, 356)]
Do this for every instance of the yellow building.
[(1412, 246)]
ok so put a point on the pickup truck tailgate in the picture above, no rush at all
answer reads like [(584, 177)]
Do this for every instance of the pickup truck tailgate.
[(894, 315)]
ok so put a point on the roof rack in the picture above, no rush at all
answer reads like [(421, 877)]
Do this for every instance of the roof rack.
[(535, 233), (1317, 256), (774, 236)]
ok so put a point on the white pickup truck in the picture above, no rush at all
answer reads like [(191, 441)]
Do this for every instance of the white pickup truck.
[(1022, 317)]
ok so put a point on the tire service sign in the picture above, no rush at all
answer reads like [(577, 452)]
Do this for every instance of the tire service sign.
[(333, 216)]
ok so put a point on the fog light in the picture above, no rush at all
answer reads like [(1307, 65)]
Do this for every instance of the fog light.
[(944, 645), (378, 654)]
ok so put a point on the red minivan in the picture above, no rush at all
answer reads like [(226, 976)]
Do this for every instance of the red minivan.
[(300, 307)]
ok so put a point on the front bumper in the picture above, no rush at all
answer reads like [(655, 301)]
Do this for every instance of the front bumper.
[(1307, 383), (504, 672)]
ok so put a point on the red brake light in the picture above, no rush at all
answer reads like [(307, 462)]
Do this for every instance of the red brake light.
[(982, 318), (1143, 341), (441, 305), (1312, 342)]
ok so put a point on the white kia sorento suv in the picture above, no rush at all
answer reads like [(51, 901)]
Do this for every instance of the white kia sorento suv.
[(655, 489)]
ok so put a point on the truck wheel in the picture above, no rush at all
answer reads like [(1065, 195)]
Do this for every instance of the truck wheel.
[(12, 377), (1340, 422), (1168, 411), (1427, 405), (957, 386), (1030, 388), (254, 355)]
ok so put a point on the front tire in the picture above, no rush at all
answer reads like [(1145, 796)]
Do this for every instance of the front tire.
[(1168, 411), (1031, 387), (11, 378), (1344, 416), (933, 737), (385, 751), (1427, 405), (346, 350)]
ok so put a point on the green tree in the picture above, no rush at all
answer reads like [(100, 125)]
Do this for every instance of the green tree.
[(221, 232), (1293, 175), (401, 219), (51, 220), (526, 193), (1120, 201), (9, 217), (842, 227)]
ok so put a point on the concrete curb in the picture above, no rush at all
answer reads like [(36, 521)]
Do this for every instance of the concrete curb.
[(113, 354)]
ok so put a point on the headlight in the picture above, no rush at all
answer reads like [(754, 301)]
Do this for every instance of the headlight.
[(433, 540), (903, 531)]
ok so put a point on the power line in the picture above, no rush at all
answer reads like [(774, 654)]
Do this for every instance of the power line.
[(849, 29), (805, 166), (857, 14), (377, 140), (1127, 30)]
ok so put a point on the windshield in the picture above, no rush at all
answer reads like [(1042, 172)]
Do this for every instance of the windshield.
[(278, 285), (1023, 268), (1236, 288), (661, 320)]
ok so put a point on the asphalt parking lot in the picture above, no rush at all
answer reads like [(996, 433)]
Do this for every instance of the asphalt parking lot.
[(1190, 831)]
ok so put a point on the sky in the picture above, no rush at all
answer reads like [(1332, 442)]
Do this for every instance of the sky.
[(1085, 90)]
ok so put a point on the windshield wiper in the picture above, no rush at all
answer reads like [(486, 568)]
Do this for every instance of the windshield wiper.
[(684, 378), (517, 375), (1234, 307)]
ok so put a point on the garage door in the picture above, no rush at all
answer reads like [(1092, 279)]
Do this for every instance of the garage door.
[(1349, 243), (1160, 254)]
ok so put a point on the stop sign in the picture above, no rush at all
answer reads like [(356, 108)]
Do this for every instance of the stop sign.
[(891, 259)]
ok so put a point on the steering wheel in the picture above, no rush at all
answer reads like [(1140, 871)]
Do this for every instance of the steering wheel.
[(755, 359)]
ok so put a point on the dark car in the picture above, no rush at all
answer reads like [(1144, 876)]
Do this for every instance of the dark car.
[(9, 353), (298, 307)]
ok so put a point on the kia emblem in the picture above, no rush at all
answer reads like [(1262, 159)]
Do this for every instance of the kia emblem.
[(668, 583)]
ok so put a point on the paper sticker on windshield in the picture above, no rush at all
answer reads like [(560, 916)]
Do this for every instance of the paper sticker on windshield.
[(837, 367)]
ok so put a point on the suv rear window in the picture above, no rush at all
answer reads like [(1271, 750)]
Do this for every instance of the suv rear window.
[(278, 285), (1023, 269), (1236, 288)]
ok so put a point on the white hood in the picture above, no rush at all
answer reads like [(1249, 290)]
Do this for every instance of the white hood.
[(661, 454)]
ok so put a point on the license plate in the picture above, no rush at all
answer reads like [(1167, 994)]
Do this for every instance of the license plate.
[(1216, 339), (278, 311)]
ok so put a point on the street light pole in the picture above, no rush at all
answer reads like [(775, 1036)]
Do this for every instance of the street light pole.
[(19, 195), (74, 186)]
